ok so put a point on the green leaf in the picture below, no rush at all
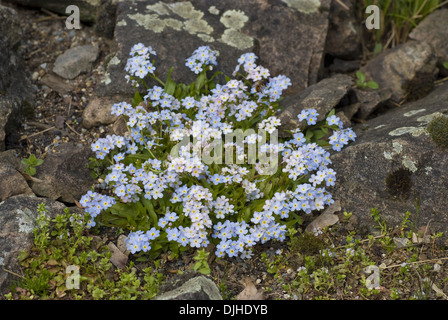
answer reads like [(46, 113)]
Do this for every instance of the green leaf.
[(30, 170), (200, 81), (308, 135), (372, 85), (360, 76), (170, 85), (378, 48), (137, 99), (150, 210), (445, 65), (319, 134)]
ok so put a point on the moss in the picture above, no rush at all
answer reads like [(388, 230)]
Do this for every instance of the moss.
[(438, 131), (399, 184), (306, 244)]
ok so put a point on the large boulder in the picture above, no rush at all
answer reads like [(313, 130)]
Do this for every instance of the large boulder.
[(400, 69), (344, 31), (18, 216), (16, 92), (64, 175), (87, 8), (433, 30), (322, 96), (394, 166), (175, 29)]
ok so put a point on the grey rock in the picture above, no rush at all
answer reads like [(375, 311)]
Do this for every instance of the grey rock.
[(10, 26), (87, 8), (327, 218), (176, 29), (64, 175), (18, 219), (395, 67), (344, 31), (17, 94), (344, 66), (394, 167), (12, 182), (198, 288), (323, 96), (371, 100), (433, 30), (75, 61), (98, 111)]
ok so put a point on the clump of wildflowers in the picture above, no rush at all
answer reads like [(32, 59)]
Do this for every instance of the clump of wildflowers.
[(166, 178)]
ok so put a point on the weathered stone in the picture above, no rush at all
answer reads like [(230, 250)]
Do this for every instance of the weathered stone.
[(57, 84), (322, 96), (344, 66), (198, 288), (395, 67), (433, 30), (11, 32), (371, 100), (394, 167), (75, 61), (87, 8), (327, 218), (98, 113), (176, 29), (64, 174), (17, 94), (12, 182), (344, 31), (18, 219)]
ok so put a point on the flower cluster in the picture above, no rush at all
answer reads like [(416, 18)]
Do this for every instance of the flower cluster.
[(94, 203), (190, 201), (202, 56), (139, 64)]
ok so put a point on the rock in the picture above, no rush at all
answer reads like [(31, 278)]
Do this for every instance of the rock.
[(87, 8), (18, 219), (371, 100), (98, 113), (198, 288), (11, 32), (433, 31), (344, 31), (327, 218), (323, 96), (176, 29), (12, 182), (395, 67), (118, 258), (57, 84), (401, 242), (344, 66), (64, 174), (394, 167), (75, 61), (16, 92)]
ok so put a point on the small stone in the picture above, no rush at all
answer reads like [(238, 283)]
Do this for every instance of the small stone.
[(401, 242), (75, 61), (98, 113)]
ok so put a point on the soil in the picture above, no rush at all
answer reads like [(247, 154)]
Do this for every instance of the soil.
[(59, 105)]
